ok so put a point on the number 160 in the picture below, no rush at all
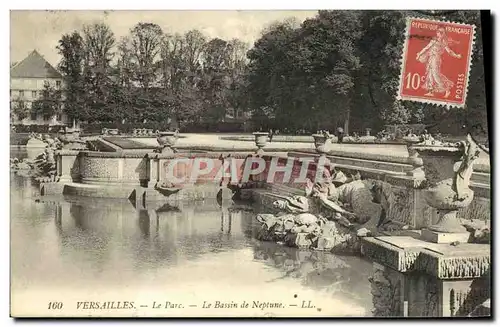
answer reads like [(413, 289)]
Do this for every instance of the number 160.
[(55, 305)]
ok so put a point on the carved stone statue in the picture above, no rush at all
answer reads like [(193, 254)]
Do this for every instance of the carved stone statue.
[(328, 217), (464, 172), (352, 200)]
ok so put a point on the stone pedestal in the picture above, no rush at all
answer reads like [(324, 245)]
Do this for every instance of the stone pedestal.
[(153, 169), (415, 278)]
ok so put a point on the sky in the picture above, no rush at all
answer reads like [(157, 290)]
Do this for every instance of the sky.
[(41, 30)]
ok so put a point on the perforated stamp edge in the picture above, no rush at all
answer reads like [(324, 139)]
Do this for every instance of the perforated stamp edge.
[(442, 103)]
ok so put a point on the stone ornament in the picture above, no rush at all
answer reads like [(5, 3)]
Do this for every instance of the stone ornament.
[(448, 168), (328, 217), (261, 141), (167, 140)]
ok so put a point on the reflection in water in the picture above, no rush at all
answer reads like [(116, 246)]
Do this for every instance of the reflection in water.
[(158, 236), (85, 244), (144, 223)]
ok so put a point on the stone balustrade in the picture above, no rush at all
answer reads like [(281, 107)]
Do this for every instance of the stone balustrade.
[(139, 167), (414, 278), (113, 168)]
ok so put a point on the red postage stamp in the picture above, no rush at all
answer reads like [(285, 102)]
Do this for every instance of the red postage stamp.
[(436, 62)]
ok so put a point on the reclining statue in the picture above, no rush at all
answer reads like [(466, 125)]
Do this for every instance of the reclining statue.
[(353, 200), (339, 214)]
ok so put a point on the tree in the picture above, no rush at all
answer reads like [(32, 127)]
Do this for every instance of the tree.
[(301, 72), (99, 41), (144, 45), (396, 114), (19, 109), (192, 51), (380, 46), (216, 71), (333, 63), (182, 76), (50, 103), (236, 95), (269, 72)]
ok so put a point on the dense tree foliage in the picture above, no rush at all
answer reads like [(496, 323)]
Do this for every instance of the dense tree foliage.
[(341, 69), (19, 109), (71, 49)]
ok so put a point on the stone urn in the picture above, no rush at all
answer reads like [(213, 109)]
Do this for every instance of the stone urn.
[(448, 168), (167, 140), (76, 133), (261, 141)]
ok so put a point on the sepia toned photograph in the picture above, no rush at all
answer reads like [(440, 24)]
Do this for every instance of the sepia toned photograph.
[(250, 164)]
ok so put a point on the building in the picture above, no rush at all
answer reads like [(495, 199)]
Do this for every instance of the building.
[(27, 79)]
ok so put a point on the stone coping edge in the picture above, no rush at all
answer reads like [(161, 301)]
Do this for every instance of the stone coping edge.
[(143, 154), (355, 155), (478, 167), (397, 258)]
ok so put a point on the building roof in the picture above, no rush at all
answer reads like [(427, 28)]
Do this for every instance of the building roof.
[(34, 66)]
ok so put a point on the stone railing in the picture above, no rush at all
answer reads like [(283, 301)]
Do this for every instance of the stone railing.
[(68, 165), (142, 168), (213, 167)]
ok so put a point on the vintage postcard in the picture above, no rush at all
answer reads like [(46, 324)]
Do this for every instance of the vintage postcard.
[(324, 163)]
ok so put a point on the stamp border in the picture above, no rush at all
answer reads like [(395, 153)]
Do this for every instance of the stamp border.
[(403, 62)]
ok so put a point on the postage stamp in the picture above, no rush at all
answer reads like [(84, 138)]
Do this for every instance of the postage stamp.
[(436, 62)]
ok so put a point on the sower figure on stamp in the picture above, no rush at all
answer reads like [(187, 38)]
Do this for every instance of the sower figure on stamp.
[(434, 80)]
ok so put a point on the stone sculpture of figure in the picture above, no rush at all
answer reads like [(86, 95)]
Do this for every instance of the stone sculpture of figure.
[(292, 204), (464, 171), (356, 195), (431, 55)]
